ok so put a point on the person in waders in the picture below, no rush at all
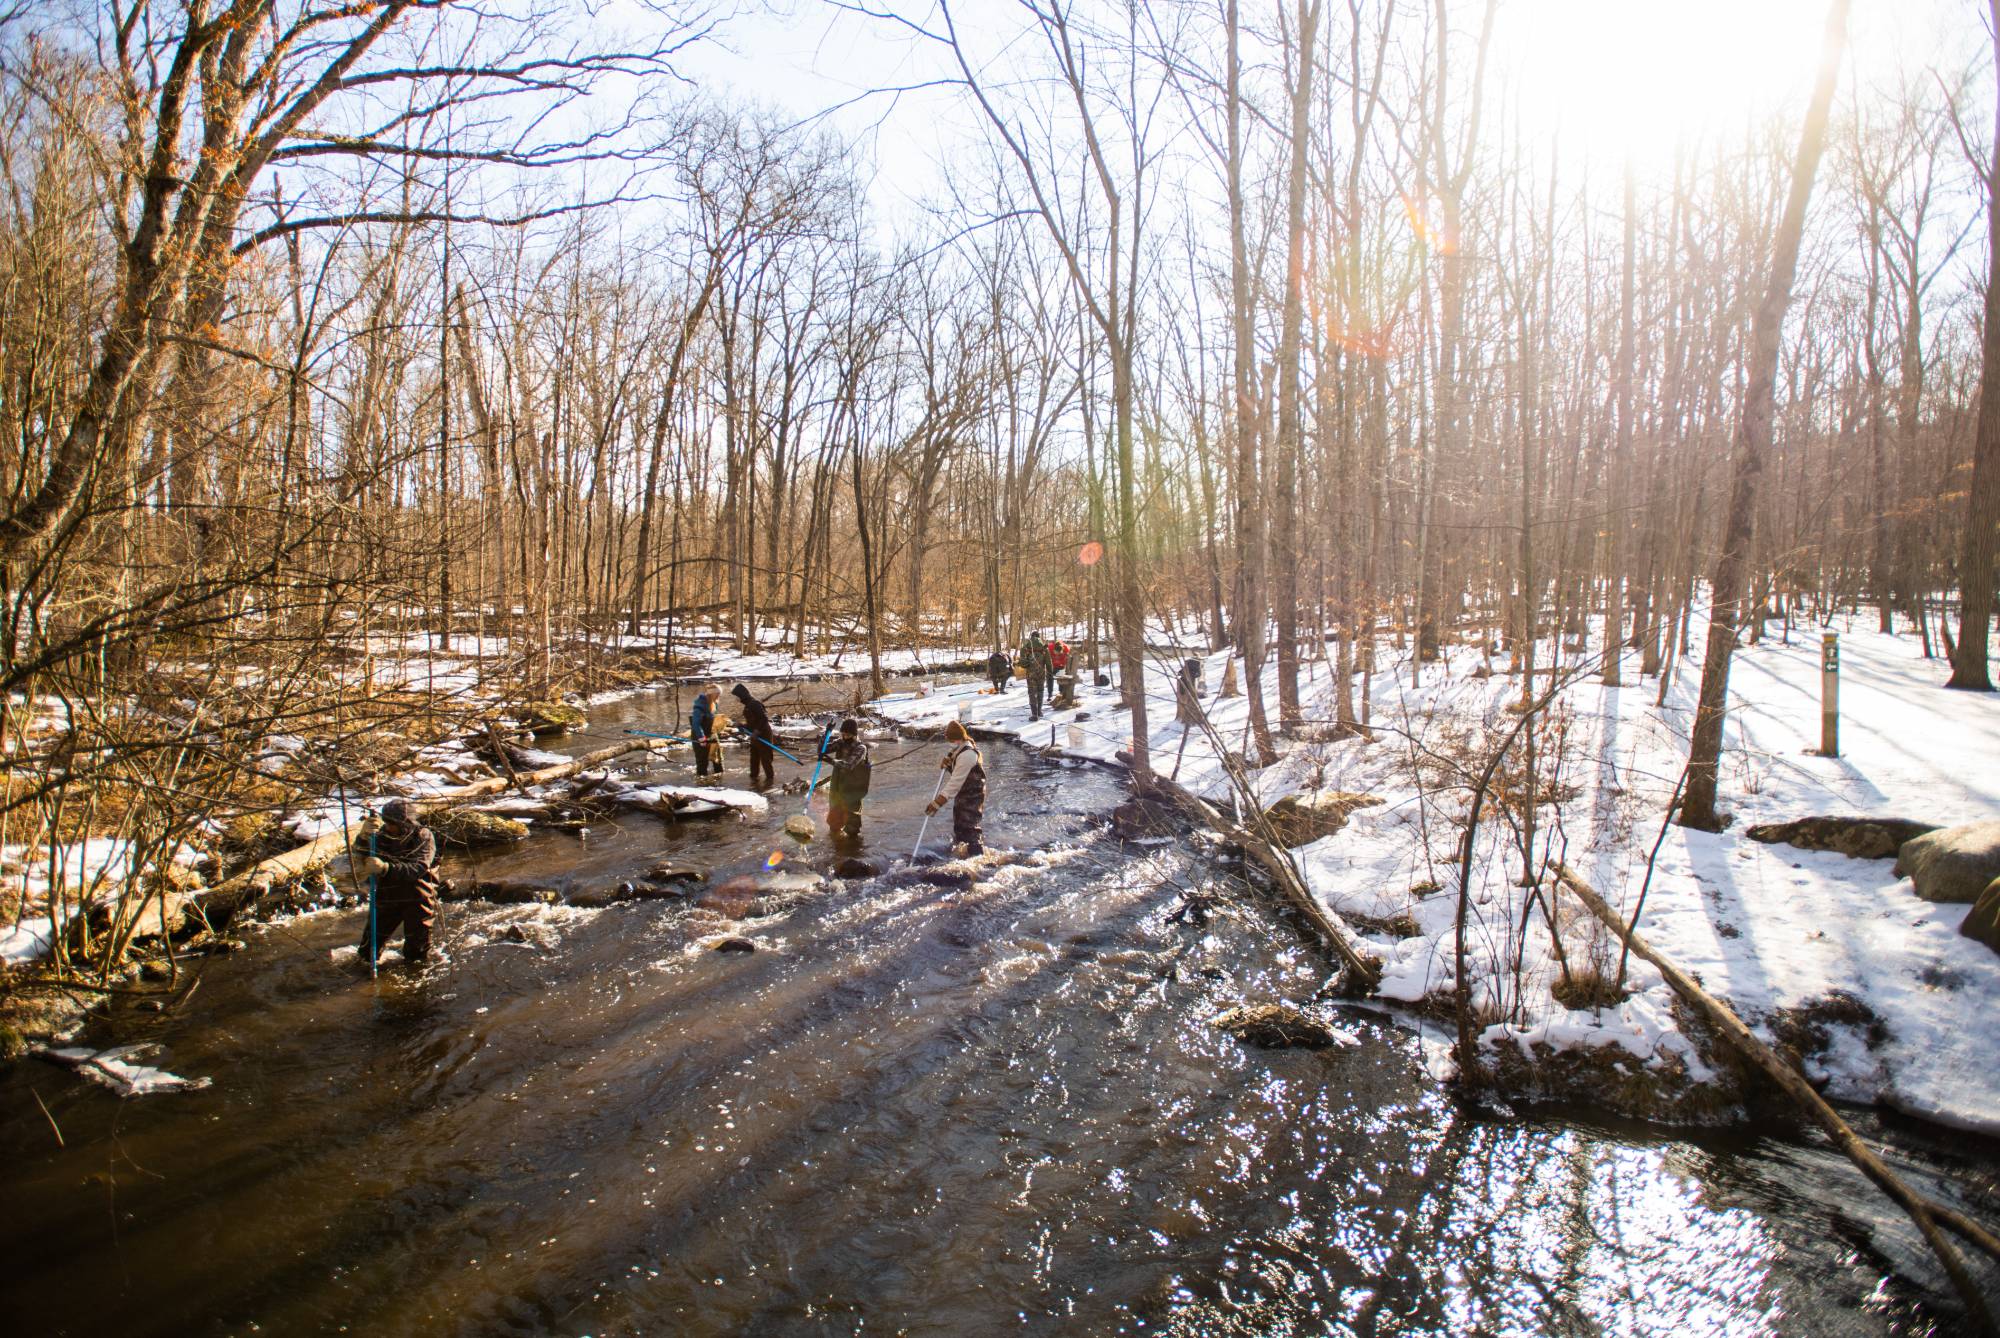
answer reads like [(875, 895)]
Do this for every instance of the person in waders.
[(1000, 670), (848, 784), (968, 806), (701, 731), (1059, 657), (1035, 659), (404, 867), (757, 723)]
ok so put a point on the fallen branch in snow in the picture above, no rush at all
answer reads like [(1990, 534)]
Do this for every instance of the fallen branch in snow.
[(228, 896), (1362, 973), (1927, 1214)]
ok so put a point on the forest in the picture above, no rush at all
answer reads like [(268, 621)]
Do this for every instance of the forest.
[(380, 376)]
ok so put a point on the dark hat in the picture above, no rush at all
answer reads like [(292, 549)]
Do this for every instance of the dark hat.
[(850, 726), (399, 811)]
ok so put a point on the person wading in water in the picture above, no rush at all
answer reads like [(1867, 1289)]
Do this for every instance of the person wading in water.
[(968, 806), (701, 731), (848, 785), (404, 867), (757, 723)]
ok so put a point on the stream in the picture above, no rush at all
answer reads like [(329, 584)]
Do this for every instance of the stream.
[(914, 1109)]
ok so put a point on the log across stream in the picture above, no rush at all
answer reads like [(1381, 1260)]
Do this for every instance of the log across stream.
[(964, 1106)]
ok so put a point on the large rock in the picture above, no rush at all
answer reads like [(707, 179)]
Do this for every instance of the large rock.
[(513, 892), (668, 871), (1952, 864), (1983, 923), (1141, 817), (1274, 1026), (1856, 838), (1302, 819)]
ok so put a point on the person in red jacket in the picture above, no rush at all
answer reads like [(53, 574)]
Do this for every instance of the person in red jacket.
[(1058, 663)]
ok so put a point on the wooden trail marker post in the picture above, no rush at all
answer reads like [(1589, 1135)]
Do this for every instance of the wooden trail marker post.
[(1829, 695)]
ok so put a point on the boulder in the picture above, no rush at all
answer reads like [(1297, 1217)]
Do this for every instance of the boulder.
[(855, 866), (1141, 817), (466, 827), (1301, 819), (529, 934), (1952, 864), (736, 945), (1856, 838), (666, 871), (1275, 1027), (512, 892), (1983, 923)]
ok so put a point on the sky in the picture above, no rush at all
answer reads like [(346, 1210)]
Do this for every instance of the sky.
[(1603, 79)]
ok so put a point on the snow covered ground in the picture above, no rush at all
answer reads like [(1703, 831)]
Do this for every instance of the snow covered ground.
[(1767, 927)]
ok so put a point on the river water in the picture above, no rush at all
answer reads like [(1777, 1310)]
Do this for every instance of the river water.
[(915, 1109)]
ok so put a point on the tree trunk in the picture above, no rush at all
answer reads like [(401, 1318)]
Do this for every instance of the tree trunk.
[(1982, 510), (1753, 440)]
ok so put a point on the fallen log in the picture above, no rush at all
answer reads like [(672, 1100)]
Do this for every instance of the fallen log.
[(228, 896), (1927, 1215), (1361, 973)]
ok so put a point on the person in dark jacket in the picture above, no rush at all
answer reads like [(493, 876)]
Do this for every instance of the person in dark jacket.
[(1000, 669), (848, 785), (968, 806), (1035, 659), (701, 731), (402, 860), (757, 724)]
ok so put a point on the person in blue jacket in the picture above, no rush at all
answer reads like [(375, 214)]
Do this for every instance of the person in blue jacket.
[(701, 731)]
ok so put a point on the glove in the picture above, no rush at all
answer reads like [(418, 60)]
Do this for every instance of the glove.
[(367, 866), (933, 807)]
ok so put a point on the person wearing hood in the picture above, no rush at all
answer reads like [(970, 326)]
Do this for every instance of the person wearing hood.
[(968, 806), (1000, 670), (848, 784), (757, 723), (1035, 659), (701, 731), (402, 860)]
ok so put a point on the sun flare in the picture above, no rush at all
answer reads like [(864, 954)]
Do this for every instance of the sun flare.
[(1611, 78)]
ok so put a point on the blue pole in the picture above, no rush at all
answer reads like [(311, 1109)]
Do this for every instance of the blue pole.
[(374, 945), (653, 734), (817, 765), (773, 747)]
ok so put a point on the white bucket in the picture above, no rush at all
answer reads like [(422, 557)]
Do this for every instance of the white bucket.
[(1075, 736), (964, 712)]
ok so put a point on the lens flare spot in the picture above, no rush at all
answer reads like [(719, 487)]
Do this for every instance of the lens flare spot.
[(774, 859), (1090, 554)]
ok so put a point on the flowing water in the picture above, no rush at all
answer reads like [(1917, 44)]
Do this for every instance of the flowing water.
[(915, 1108)]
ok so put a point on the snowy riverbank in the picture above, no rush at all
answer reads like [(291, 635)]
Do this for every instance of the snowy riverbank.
[(1780, 933)]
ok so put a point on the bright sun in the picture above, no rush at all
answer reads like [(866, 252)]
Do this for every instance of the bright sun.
[(1613, 77)]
